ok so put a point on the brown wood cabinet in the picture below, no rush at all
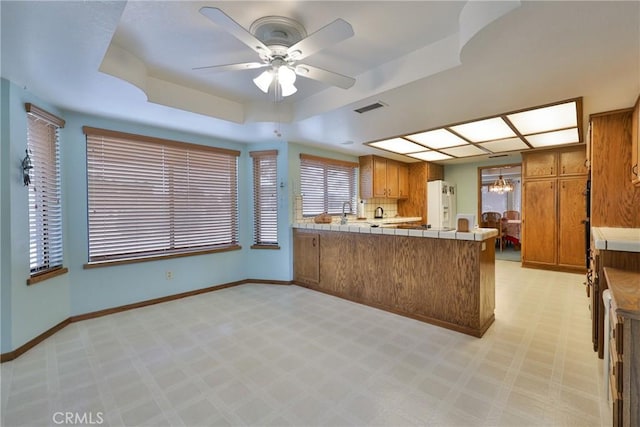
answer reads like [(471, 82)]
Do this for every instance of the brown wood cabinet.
[(383, 178), (407, 275), (614, 198), (419, 174), (306, 257), (553, 208), (635, 139), (624, 346)]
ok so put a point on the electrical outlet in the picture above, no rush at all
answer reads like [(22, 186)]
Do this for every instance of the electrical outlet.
[(169, 275)]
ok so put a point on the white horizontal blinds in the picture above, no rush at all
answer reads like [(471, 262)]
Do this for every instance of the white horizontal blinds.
[(265, 197), (45, 208), (326, 184), (150, 197)]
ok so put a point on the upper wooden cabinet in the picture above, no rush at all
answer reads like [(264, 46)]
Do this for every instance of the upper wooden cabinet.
[(558, 162), (614, 198), (540, 164), (434, 172), (635, 150), (383, 178)]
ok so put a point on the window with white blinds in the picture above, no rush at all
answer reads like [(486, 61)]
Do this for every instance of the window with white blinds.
[(326, 184), (150, 197), (265, 198), (45, 208)]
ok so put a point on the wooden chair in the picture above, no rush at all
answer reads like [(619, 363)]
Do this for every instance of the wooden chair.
[(511, 230), (493, 220)]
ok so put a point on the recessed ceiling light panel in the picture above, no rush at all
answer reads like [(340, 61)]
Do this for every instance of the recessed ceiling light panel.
[(545, 119), (430, 156), (501, 145), (560, 137), (398, 145), (439, 138), (464, 151), (484, 130)]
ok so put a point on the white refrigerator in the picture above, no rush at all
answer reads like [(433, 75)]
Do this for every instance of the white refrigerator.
[(441, 204)]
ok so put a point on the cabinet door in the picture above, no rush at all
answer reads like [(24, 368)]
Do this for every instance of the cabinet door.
[(392, 179), (539, 226), (572, 213), (403, 181), (306, 257), (573, 162), (541, 164), (379, 177), (435, 172)]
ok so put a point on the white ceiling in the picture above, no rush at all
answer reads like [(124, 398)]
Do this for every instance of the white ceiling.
[(431, 63)]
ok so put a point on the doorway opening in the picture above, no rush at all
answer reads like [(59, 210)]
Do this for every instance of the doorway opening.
[(500, 207)]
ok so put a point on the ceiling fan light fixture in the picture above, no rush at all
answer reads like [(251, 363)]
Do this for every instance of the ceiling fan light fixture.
[(286, 76), (287, 89), (263, 81)]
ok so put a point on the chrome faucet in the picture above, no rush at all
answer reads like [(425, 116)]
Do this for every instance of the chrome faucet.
[(343, 220)]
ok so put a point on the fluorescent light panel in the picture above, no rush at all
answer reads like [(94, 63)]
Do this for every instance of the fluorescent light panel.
[(439, 138), (464, 151), (430, 156), (545, 119), (501, 145), (484, 130), (398, 145), (560, 137)]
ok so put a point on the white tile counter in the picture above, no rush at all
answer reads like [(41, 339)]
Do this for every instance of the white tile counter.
[(477, 234), (616, 239)]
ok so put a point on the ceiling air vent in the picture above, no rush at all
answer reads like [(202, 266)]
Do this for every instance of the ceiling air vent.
[(369, 107)]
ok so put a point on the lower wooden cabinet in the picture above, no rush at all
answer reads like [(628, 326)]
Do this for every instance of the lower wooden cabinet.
[(571, 222), (539, 228), (306, 257), (624, 346)]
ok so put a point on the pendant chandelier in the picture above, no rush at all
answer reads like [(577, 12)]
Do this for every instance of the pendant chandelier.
[(501, 185)]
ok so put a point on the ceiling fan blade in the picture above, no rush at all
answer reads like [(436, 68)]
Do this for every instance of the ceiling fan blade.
[(326, 36), (233, 67), (325, 76), (222, 19)]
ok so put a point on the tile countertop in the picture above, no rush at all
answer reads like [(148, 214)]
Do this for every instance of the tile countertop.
[(616, 239), (477, 234)]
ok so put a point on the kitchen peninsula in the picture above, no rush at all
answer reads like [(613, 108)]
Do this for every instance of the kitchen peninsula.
[(446, 278)]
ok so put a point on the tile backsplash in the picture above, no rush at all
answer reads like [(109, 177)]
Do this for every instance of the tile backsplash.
[(389, 206)]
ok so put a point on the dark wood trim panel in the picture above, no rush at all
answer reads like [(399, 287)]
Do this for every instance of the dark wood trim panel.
[(11, 355), (49, 274)]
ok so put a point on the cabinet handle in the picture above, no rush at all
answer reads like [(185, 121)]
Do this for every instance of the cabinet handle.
[(634, 169), (551, 173), (313, 242), (563, 170)]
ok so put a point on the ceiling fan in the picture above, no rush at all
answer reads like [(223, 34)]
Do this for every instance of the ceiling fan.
[(281, 42)]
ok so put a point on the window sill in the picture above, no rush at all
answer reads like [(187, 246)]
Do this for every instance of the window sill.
[(121, 261), (41, 277), (265, 246)]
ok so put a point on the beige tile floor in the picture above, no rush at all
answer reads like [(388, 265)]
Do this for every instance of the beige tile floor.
[(284, 355)]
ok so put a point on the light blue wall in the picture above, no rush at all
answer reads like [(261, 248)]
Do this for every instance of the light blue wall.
[(272, 264), (465, 176), (27, 310), (99, 288)]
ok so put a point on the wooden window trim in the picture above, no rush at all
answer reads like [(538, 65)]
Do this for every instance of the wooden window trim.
[(46, 275), (111, 263), (44, 115), (329, 160)]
